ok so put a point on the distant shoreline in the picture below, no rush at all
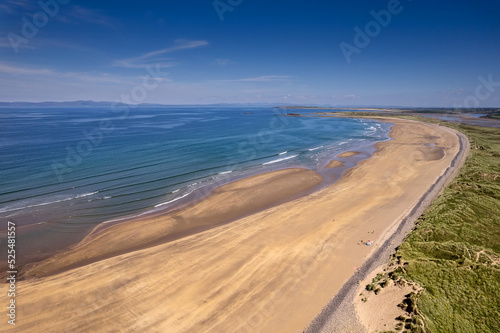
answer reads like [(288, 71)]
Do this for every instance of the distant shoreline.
[(339, 108)]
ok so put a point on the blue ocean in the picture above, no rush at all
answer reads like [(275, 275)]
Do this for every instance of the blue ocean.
[(65, 170)]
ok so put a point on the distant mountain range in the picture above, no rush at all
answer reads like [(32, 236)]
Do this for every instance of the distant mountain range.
[(93, 104), (82, 104)]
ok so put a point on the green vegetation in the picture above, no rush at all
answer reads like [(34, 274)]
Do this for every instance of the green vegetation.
[(494, 115), (454, 251), (491, 112)]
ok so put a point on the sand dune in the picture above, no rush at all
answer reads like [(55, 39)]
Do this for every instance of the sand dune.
[(272, 271)]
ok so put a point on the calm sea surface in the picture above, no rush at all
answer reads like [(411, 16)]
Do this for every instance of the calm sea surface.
[(64, 170)]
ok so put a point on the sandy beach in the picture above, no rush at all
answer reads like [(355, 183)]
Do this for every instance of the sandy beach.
[(269, 271), (349, 154), (334, 164), (226, 203)]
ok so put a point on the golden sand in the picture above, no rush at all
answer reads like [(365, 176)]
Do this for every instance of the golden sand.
[(226, 203), (335, 164), (349, 154), (272, 271), (378, 312)]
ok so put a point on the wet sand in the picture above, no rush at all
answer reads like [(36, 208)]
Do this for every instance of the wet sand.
[(346, 313), (349, 154), (272, 271), (334, 164), (226, 203)]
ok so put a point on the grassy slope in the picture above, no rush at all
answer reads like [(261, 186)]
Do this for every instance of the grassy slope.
[(451, 251), (454, 250)]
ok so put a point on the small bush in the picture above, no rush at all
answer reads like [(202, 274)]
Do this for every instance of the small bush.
[(377, 278), (442, 249)]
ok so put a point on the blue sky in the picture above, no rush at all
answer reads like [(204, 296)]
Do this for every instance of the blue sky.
[(430, 53)]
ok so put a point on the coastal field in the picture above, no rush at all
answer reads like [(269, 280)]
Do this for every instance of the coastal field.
[(270, 271), (452, 256)]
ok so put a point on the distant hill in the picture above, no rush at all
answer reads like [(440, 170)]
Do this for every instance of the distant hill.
[(93, 104), (75, 104)]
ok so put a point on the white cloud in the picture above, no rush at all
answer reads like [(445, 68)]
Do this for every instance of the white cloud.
[(154, 57), (16, 6), (222, 61), (38, 43), (24, 71), (23, 74), (78, 14)]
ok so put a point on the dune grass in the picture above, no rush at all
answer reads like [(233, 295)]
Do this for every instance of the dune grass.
[(453, 253), (454, 250)]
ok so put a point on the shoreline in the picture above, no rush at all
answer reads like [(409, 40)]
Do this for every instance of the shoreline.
[(348, 159), (339, 315), (53, 244), (226, 203), (330, 176), (259, 268), (299, 189)]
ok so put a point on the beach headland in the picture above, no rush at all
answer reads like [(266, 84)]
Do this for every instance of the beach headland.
[(269, 271)]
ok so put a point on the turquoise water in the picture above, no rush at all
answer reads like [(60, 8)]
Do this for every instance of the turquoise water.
[(65, 170)]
